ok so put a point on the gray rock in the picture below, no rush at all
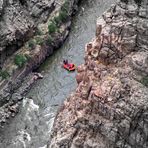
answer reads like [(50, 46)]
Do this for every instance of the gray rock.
[(18, 20), (1, 6)]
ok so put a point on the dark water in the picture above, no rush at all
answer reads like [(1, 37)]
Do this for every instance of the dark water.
[(32, 126)]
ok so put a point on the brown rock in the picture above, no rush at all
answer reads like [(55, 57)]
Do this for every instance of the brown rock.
[(98, 30), (79, 77), (88, 47)]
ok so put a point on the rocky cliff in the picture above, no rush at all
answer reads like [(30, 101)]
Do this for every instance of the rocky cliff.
[(109, 108), (18, 19)]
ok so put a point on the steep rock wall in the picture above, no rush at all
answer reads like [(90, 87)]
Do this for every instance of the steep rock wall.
[(18, 19), (110, 106)]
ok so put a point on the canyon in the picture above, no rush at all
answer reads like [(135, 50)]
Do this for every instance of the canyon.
[(109, 106)]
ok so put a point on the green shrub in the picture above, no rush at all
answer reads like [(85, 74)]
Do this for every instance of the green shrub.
[(27, 56), (39, 41), (65, 6), (144, 81), (63, 16), (52, 27), (39, 32), (20, 60), (4, 74), (31, 44), (49, 40), (57, 20)]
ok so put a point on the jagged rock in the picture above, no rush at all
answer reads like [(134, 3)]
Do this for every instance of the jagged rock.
[(98, 30), (18, 20), (140, 61), (1, 6), (79, 77), (88, 48), (81, 68), (110, 106)]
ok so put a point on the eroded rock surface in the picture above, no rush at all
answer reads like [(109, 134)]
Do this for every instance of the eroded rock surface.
[(110, 106), (18, 18)]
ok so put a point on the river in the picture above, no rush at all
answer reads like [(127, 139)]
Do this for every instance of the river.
[(31, 128)]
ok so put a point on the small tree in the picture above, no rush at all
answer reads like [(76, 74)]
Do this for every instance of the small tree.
[(4, 74), (63, 16), (31, 44), (39, 41), (57, 20), (20, 60), (38, 31), (65, 6), (144, 81), (49, 40), (52, 27)]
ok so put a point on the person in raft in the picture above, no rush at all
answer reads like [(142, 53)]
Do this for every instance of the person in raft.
[(68, 64)]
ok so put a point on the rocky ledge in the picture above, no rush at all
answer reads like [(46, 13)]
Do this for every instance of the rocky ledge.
[(109, 108)]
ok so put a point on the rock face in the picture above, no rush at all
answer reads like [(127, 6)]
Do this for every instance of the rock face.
[(110, 106), (18, 18)]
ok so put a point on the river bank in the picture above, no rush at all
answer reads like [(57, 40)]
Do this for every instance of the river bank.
[(33, 53), (110, 105)]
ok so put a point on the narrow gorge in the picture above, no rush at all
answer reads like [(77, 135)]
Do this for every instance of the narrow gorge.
[(107, 97)]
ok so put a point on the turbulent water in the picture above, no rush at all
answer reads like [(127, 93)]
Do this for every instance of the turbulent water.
[(32, 126)]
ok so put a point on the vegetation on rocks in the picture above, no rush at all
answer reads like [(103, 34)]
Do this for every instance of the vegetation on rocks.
[(57, 20), (31, 44), (65, 6), (39, 40), (20, 60), (144, 81), (49, 40), (4, 74), (39, 31), (63, 16), (52, 28)]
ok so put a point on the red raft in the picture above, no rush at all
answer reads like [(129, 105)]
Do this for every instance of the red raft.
[(69, 66)]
